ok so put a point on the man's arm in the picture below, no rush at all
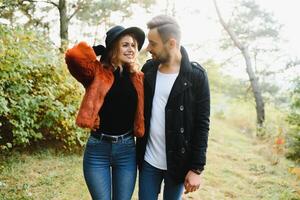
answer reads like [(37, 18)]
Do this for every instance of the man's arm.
[(201, 121), (200, 136)]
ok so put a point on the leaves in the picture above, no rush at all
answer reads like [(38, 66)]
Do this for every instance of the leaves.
[(253, 26), (38, 98), (294, 121)]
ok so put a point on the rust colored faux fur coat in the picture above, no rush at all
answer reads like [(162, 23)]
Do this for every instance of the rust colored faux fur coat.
[(97, 80)]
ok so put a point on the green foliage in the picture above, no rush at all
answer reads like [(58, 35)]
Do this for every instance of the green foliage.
[(225, 84), (94, 12), (38, 99), (88, 11), (232, 102), (27, 11), (294, 121), (253, 25), (97, 12)]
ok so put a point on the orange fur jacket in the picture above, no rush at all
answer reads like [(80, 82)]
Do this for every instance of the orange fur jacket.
[(97, 80)]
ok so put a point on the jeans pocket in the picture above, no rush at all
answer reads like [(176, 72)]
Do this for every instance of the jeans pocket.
[(93, 141), (129, 142)]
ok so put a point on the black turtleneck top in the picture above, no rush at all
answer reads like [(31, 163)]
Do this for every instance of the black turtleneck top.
[(118, 110)]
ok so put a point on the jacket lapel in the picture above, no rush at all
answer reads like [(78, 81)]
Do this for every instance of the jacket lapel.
[(180, 85), (182, 81)]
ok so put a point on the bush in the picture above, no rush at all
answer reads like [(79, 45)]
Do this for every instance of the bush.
[(38, 98), (294, 121)]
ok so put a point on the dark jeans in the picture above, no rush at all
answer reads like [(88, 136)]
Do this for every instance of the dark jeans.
[(110, 166), (150, 179)]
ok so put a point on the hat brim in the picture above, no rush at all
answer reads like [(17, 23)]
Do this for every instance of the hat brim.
[(138, 34)]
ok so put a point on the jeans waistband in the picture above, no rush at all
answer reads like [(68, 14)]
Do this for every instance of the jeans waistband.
[(111, 138)]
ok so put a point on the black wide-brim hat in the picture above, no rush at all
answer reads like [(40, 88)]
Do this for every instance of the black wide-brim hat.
[(117, 31)]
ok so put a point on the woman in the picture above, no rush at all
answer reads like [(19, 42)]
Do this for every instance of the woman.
[(112, 108)]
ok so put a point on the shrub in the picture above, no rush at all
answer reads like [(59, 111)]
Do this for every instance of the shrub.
[(38, 98), (294, 121)]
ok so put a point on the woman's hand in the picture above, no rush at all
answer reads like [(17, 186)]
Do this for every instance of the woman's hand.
[(96, 123)]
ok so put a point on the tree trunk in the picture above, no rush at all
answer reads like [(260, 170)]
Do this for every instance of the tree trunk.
[(260, 108), (64, 23)]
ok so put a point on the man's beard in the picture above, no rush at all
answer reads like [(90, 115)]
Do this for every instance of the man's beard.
[(162, 58)]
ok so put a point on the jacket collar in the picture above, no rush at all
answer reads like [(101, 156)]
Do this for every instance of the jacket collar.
[(185, 65), (182, 81)]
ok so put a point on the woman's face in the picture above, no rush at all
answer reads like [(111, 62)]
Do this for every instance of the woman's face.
[(126, 50)]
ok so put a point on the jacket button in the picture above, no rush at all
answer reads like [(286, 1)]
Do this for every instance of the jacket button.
[(181, 107), (181, 130), (185, 83), (182, 150)]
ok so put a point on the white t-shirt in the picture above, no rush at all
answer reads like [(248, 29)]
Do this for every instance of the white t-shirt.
[(156, 147)]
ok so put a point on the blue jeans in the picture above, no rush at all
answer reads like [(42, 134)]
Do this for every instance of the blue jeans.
[(110, 167), (150, 179)]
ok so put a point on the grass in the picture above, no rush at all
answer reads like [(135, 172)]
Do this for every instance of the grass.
[(43, 176), (238, 167)]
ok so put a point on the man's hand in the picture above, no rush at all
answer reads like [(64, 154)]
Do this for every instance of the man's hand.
[(192, 182)]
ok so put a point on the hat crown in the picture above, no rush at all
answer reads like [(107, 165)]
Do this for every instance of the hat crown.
[(112, 34), (115, 32)]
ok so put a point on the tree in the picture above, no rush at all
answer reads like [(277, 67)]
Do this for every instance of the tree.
[(11, 11), (92, 11), (248, 29), (170, 8)]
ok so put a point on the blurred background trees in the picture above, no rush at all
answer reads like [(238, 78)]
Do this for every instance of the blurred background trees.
[(87, 11), (251, 30)]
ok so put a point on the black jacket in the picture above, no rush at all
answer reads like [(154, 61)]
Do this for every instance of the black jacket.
[(186, 117)]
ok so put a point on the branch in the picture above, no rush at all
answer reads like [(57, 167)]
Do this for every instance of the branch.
[(229, 59), (293, 63), (49, 2), (76, 10), (227, 29), (74, 13)]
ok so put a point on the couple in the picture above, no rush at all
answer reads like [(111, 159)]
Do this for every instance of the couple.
[(166, 107)]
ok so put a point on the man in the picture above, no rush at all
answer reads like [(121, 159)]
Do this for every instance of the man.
[(177, 108)]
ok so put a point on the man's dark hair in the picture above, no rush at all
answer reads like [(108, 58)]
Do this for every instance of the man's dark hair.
[(167, 27)]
